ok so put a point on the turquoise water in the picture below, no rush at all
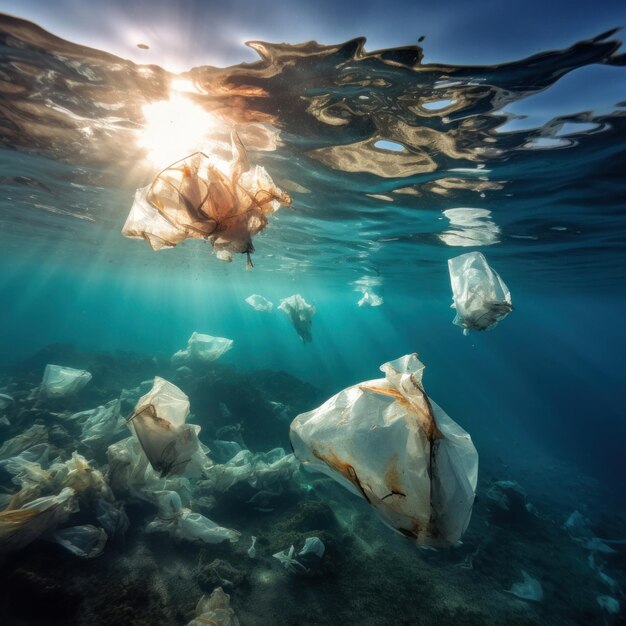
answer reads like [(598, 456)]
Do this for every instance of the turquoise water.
[(377, 150)]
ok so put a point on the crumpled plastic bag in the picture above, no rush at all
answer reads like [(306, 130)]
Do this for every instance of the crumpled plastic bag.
[(305, 561), (300, 312), (181, 523), (215, 610), (159, 425), (203, 197), (86, 541), (113, 518), (387, 441), (21, 526), (102, 425), (529, 589), (85, 480), (370, 299), (203, 348), (479, 295), (34, 435), (29, 472), (259, 303), (59, 381)]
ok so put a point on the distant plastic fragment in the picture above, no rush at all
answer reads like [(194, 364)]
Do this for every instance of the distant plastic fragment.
[(86, 542), (304, 561), (202, 348), (215, 610), (159, 425), (370, 299), (386, 441), (252, 548), (19, 527), (608, 604), (5, 401), (529, 589), (300, 312), (259, 303), (366, 285), (480, 297), (113, 519), (59, 381), (577, 525), (203, 197)]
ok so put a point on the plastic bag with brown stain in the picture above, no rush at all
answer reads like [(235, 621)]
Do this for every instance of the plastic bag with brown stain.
[(203, 197), (387, 442), (158, 423)]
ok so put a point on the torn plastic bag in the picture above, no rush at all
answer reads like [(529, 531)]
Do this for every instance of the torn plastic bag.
[(159, 425), (20, 527), (215, 610), (479, 295), (29, 472), (129, 469), (113, 518), (181, 523), (259, 303), (387, 441), (203, 197), (300, 312), (102, 425), (59, 381), (203, 348), (85, 541), (85, 480), (36, 434), (370, 299), (304, 561)]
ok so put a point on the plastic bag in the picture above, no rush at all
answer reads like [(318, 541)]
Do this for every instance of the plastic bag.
[(259, 303), (203, 197), (113, 518), (215, 610), (479, 295), (387, 441), (20, 527), (159, 425), (304, 561), (529, 589), (34, 435), (101, 425), (59, 381), (300, 312), (370, 299), (85, 541), (84, 479), (203, 348), (181, 523)]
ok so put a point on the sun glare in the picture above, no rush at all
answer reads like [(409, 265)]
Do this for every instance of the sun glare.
[(173, 129)]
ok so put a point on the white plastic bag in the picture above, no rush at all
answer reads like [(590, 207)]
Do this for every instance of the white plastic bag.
[(204, 197), (159, 425), (479, 295), (59, 381), (300, 312), (101, 425), (386, 441), (259, 303), (214, 610), (204, 348)]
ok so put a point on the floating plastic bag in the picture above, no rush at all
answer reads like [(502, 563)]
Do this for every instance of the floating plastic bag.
[(387, 441), (20, 527), (528, 589), (215, 610), (304, 561), (300, 312), (85, 541), (181, 523), (59, 381), (203, 348), (370, 299), (159, 425), (479, 295), (203, 197), (259, 303)]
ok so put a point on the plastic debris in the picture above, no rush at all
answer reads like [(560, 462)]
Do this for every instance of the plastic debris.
[(102, 425), (19, 527), (370, 299), (300, 312), (159, 425), (252, 548), (386, 441), (608, 604), (59, 381), (215, 610), (259, 303), (85, 541), (577, 525), (85, 480), (34, 435), (203, 197), (113, 518), (5, 401), (480, 297), (529, 589), (306, 560), (202, 348), (180, 523)]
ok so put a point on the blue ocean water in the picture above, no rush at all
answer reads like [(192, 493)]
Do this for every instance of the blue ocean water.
[(394, 166)]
